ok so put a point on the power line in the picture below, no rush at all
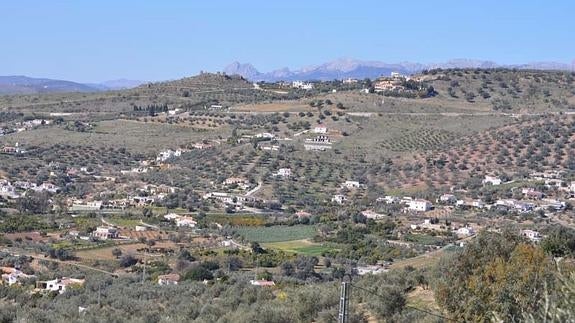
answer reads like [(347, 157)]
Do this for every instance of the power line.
[(407, 306)]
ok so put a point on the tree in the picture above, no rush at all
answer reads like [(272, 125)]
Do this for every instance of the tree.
[(560, 241), (494, 274), (287, 269), (198, 273), (256, 248), (116, 252), (34, 202), (128, 261), (186, 255), (392, 302), (234, 263)]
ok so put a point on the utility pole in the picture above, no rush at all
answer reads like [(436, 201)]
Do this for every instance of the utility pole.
[(343, 316)]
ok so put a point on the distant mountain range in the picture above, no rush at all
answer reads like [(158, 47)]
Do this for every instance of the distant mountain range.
[(351, 68), (30, 85)]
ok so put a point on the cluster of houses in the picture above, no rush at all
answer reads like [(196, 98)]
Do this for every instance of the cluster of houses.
[(393, 82), (17, 189), (349, 185), (24, 126), (302, 85), (12, 276)]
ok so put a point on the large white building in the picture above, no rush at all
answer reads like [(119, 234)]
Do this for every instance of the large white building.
[(420, 205)]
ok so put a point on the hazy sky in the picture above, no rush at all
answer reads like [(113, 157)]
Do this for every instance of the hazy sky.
[(93, 41)]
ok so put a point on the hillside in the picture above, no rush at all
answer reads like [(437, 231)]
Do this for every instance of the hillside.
[(505, 90), (29, 85)]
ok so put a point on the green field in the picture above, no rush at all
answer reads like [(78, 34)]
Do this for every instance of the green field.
[(277, 233), (304, 247)]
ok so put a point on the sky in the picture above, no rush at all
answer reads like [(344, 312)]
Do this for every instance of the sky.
[(94, 41)]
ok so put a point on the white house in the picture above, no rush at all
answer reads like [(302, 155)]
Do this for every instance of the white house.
[(339, 199), (284, 172), (105, 233), (59, 285), (388, 199), (532, 235), (447, 198), (493, 180), (372, 270), (473, 203), (302, 85), (171, 216), (351, 184), (186, 222), (12, 276), (167, 154), (372, 215), (265, 135), (169, 279), (420, 205), (48, 187), (262, 283), (465, 231), (7, 190), (320, 129), (572, 187)]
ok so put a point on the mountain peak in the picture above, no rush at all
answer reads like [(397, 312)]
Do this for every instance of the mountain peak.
[(248, 71)]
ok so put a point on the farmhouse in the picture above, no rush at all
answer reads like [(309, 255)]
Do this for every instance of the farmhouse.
[(235, 180), (420, 205), (201, 146), (59, 285), (302, 214), (351, 184), (11, 276), (532, 194), (7, 190), (79, 205), (447, 198), (370, 270), (465, 231), (317, 147), (169, 279), (186, 222), (321, 139), (388, 199), (531, 235), (302, 85), (339, 199), (372, 215), (167, 154), (493, 180), (48, 187), (105, 233), (471, 203), (266, 283), (283, 172), (320, 129), (265, 135)]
